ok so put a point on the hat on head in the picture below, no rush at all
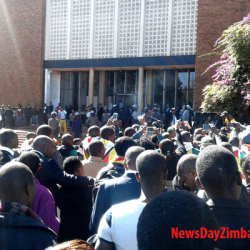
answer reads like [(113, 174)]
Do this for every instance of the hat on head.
[(53, 113), (171, 129), (92, 112), (188, 106), (78, 114), (114, 105), (246, 136), (105, 108)]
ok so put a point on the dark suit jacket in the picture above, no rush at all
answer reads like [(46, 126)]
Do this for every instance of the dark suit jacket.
[(111, 192), (233, 215), (51, 174), (5, 157)]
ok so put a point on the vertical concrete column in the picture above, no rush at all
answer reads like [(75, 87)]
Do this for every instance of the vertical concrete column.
[(150, 86), (140, 88), (102, 87), (91, 85)]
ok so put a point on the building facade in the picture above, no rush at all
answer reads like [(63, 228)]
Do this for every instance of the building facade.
[(120, 51), (110, 51)]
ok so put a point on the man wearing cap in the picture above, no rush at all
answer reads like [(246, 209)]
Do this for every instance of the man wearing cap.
[(54, 124), (113, 110), (136, 113), (62, 114), (156, 114), (77, 126), (92, 120)]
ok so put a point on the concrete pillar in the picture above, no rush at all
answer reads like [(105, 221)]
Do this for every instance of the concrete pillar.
[(150, 87), (102, 88), (91, 85), (140, 88)]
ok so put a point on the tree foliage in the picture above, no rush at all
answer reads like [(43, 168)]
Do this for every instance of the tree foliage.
[(230, 90)]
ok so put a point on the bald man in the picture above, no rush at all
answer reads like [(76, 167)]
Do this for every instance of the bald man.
[(51, 174), (20, 227), (67, 149), (186, 171)]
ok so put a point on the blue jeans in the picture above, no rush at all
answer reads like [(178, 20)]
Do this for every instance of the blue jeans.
[(35, 119), (19, 120)]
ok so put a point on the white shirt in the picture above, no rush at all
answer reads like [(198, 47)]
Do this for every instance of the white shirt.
[(62, 114), (135, 114), (123, 219)]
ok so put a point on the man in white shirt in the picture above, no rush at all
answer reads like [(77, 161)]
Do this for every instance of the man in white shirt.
[(62, 114), (119, 224), (136, 113)]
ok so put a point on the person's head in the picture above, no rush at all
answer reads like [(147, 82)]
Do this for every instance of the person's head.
[(131, 156), (186, 136), (171, 131), (228, 146), (171, 212), (31, 135), (96, 148), (94, 131), (50, 103), (53, 115), (72, 111), (224, 138), (45, 145), (129, 131), (245, 167), (77, 116), (108, 133), (61, 108), (16, 184), (8, 138), (217, 171), (121, 134), (166, 146), (209, 119), (198, 137), (77, 141), (73, 165), (198, 131), (67, 140), (186, 170), (235, 142), (106, 109), (166, 135), (154, 139), (45, 130), (31, 160), (122, 144), (92, 113), (152, 169), (146, 144)]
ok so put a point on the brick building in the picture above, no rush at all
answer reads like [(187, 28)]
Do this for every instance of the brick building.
[(117, 51)]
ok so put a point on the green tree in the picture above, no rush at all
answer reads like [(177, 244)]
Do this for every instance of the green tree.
[(230, 89)]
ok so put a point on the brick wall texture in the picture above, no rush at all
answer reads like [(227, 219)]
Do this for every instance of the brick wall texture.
[(214, 16), (21, 51)]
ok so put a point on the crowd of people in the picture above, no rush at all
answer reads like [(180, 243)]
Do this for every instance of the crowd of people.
[(136, 181)]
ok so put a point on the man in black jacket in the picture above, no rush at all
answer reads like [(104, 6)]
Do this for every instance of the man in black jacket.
[(111, 192), (217, 173), (8, 141), (51, 174)]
